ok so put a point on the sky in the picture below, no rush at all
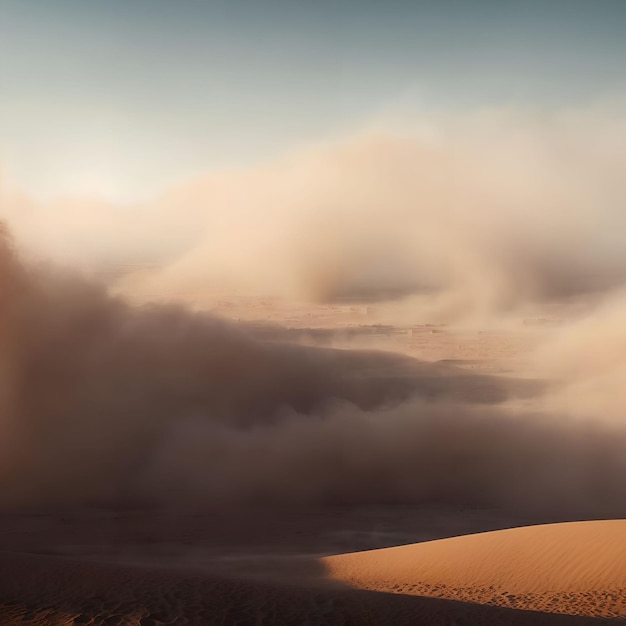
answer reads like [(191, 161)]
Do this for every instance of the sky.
[(123, 98)]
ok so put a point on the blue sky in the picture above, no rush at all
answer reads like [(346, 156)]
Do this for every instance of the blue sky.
[(125, 97)]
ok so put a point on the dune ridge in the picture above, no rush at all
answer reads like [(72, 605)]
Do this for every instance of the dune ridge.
[(577, 568)]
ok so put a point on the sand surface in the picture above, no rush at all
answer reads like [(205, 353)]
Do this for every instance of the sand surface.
[(575, 568), (570, 573), (51, 590)]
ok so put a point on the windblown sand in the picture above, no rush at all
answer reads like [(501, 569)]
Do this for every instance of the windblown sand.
[(576, 568)]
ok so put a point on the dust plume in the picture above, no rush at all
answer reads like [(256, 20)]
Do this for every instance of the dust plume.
[(466, 215), (489, 216), (109, 403)]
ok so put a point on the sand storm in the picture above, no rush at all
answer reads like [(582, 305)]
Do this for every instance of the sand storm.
[(153, 415)]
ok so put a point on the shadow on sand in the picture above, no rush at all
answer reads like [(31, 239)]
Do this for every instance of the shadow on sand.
[(37, 589)]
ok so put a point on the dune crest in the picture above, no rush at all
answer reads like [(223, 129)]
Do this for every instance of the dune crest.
[(577, 568)]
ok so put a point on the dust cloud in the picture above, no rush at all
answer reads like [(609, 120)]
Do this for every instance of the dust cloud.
[(485, 217), (471, 215)]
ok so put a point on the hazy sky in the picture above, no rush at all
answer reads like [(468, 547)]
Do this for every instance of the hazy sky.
[(124, 97)]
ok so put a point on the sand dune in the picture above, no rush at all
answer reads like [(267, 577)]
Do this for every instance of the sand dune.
[(556, 574), (575, 568), (42, 590)]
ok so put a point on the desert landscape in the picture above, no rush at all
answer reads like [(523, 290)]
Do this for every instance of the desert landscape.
[(312, 313)]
